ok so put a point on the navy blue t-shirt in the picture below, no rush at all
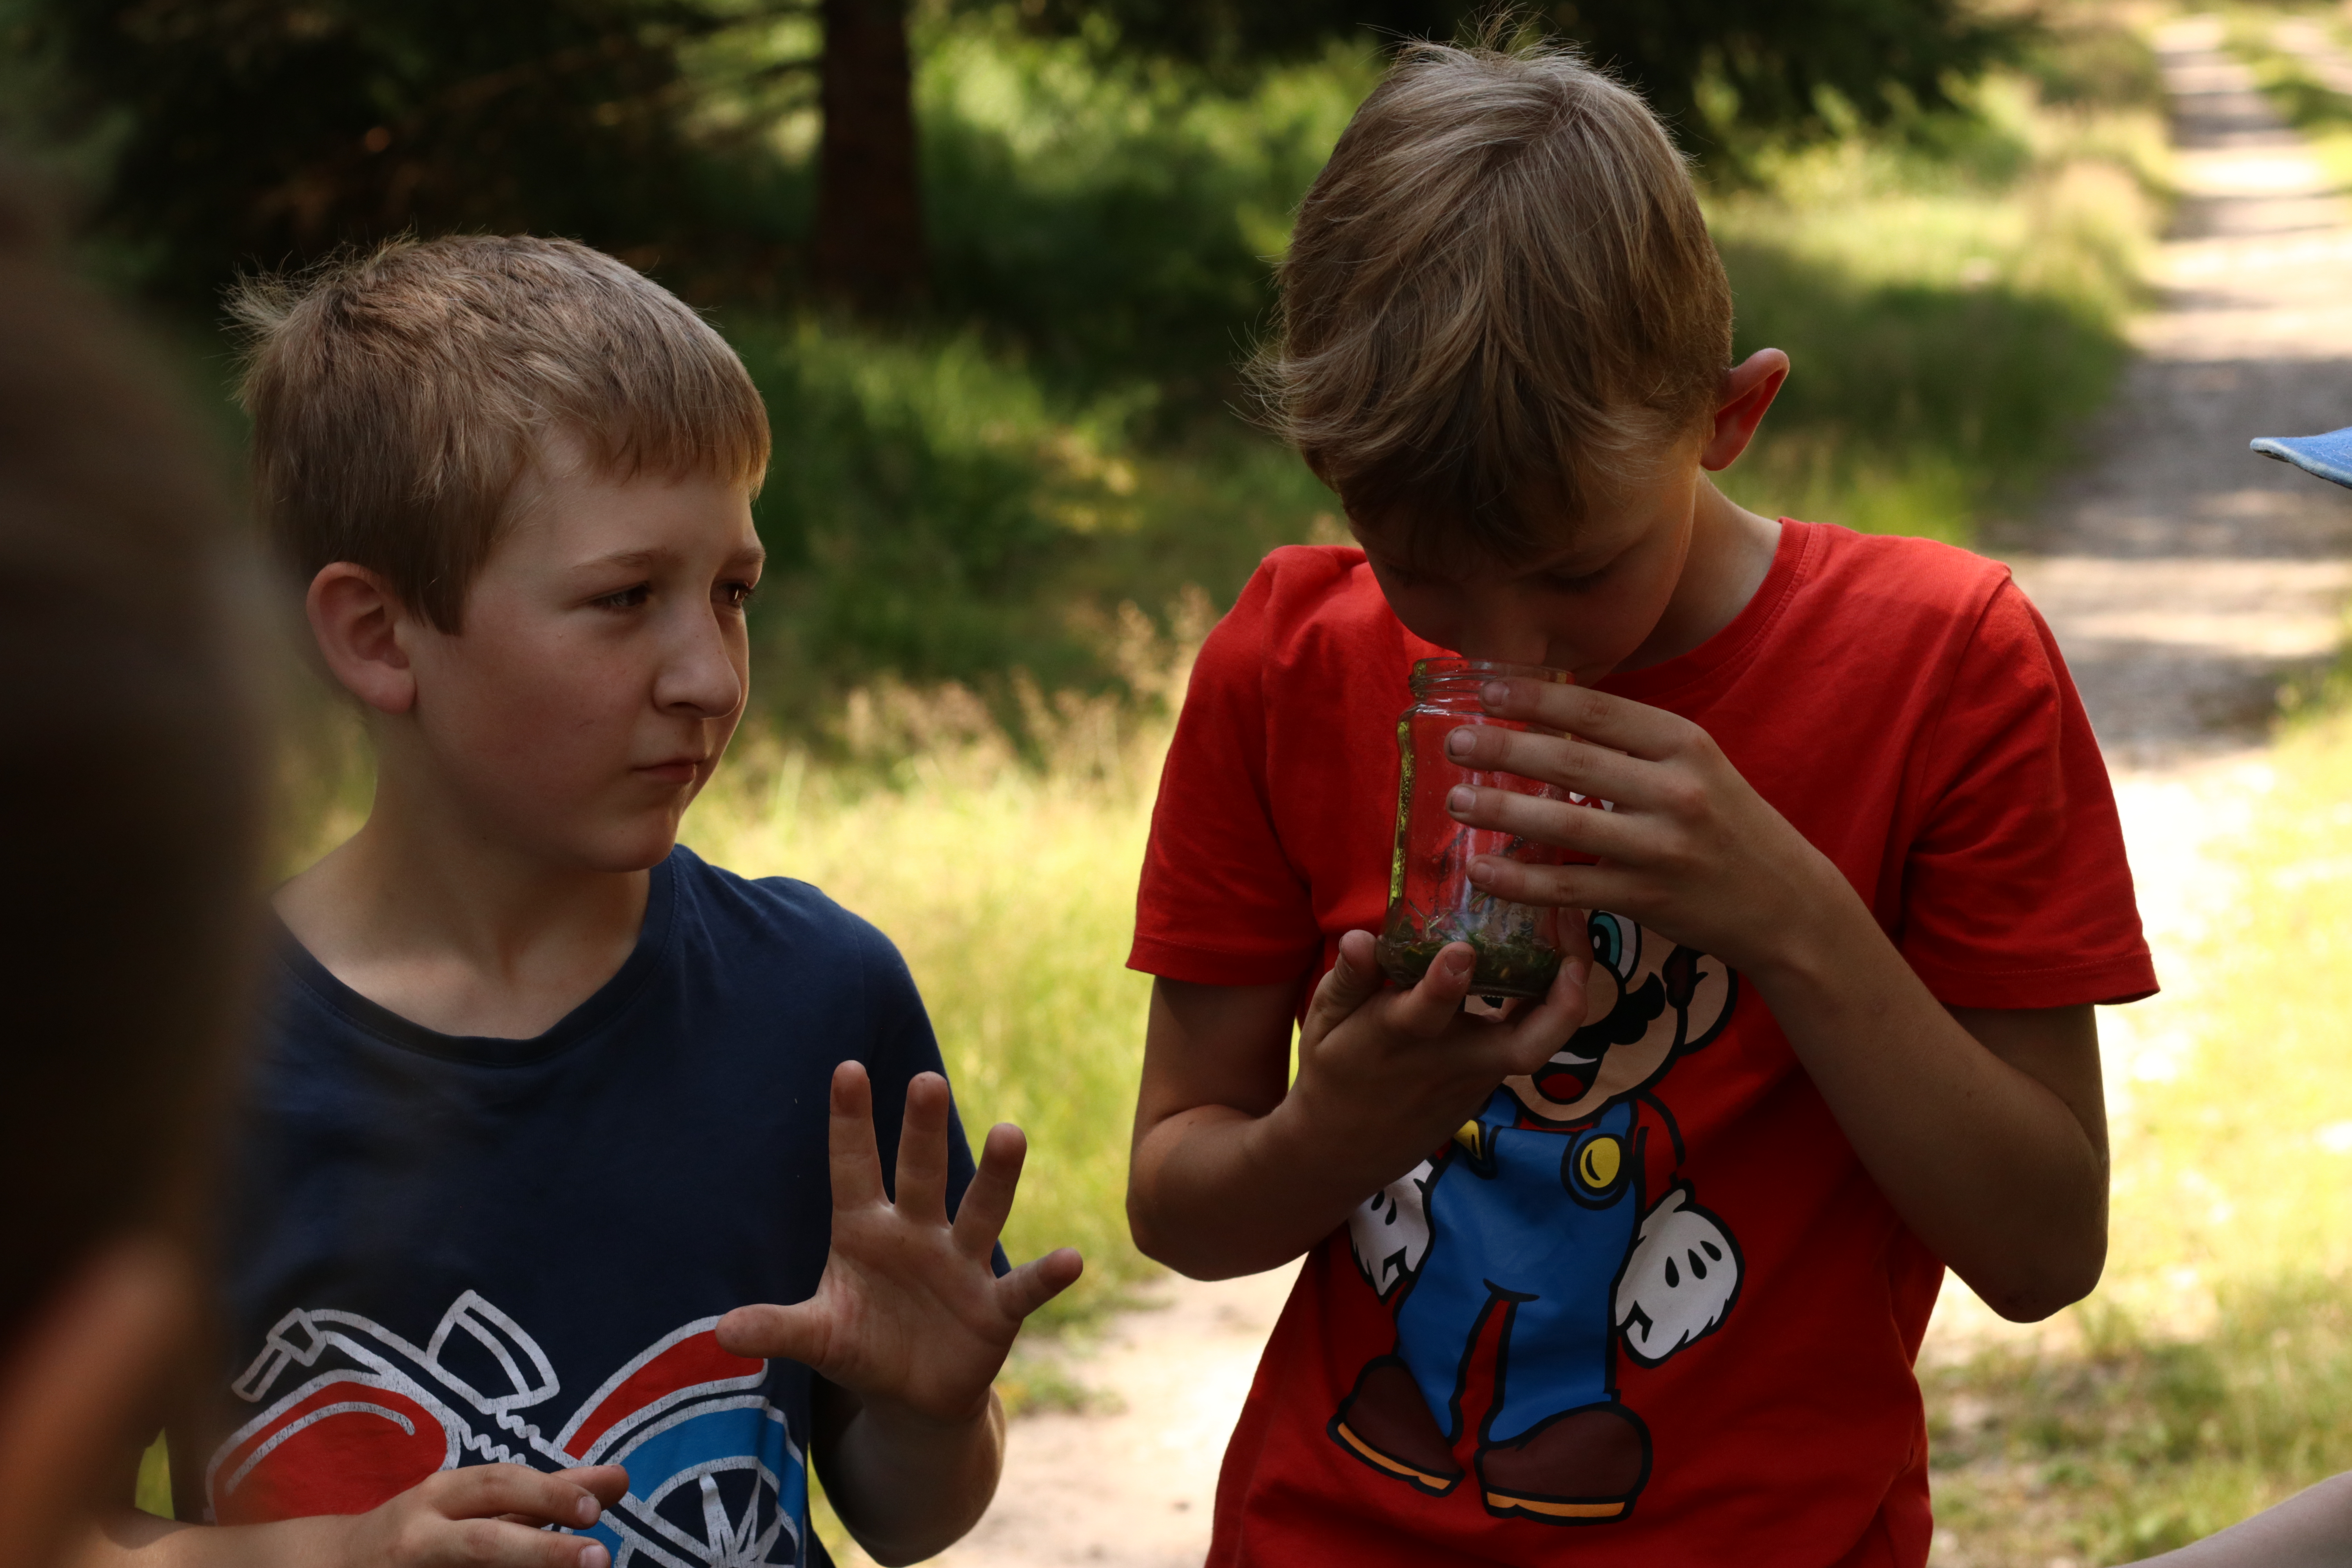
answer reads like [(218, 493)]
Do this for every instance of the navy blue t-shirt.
[(443, 1252)]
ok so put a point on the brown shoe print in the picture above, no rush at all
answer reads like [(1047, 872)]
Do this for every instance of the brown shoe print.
[(1387, 1425), (1583, 1466)]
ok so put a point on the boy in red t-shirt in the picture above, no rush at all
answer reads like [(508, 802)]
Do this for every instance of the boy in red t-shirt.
[(1637, 1273)]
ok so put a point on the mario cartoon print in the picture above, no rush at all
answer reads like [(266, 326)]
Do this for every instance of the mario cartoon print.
[(1557, 1209), (352, 1414)]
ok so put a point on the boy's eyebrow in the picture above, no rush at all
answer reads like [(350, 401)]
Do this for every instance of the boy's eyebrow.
[(751, 555)]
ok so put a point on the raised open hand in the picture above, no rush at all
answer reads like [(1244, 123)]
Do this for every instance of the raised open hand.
[(909, 1313)]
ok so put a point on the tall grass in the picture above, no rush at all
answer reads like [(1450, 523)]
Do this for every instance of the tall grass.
[(1010, 888), (1953, 302), (2209, 1376), (979, 489)]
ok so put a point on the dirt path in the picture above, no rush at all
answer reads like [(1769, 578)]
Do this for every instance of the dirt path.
[(2185, 579)]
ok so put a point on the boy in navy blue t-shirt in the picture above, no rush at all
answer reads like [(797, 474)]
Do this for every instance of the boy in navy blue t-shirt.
[(545, 1099)]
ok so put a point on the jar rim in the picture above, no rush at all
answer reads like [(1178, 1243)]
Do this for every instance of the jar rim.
[(1430, 669)]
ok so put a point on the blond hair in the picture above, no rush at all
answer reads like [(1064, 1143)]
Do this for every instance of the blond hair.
[(1499, 293), (398, 396)]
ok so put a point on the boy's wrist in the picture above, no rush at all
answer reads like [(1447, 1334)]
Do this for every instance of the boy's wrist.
[(1811, 943), (905, 1425), (1311, 1140)]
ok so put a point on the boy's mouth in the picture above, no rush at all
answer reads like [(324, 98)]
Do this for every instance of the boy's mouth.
[(672, 770), (1567, 1078)]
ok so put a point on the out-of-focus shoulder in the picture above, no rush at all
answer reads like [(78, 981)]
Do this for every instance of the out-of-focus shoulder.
[(1293, 586)]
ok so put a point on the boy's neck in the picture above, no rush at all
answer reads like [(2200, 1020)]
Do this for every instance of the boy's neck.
[(1731, 553), (428, 916)]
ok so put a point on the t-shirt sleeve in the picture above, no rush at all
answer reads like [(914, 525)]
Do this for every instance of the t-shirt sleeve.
[(902, 1045), (2016, 892), (1220, 903)]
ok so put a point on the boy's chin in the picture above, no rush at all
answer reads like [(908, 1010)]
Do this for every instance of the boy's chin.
[(620, 848)]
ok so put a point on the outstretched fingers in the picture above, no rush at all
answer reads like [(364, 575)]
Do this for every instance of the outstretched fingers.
[(855, 1158), (1038, 1281), (766, 1331), (922, 1182), (987, 1201)]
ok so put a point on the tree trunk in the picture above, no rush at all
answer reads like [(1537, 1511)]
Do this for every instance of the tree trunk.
[(868, 252)]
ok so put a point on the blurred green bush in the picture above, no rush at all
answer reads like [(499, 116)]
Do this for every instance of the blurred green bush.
[(977, 494)]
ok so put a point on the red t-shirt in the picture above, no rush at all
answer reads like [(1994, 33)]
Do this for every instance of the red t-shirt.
[(1901, 704)]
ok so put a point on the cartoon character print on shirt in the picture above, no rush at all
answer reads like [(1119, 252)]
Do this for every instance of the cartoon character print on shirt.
[(352, 1414), (1539, 1211)]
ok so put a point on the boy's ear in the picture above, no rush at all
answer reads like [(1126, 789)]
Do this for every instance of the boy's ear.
[(1748, 388), (359, 622), (81, 1392)]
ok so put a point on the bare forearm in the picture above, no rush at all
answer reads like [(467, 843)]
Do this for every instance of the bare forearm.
[(907, 1488), (1217, 1193), (137, 1540), (1988, 1166), (2312, 1529)]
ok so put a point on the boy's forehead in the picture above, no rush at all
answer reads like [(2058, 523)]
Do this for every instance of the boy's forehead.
[(1445, 550), (581, 512)]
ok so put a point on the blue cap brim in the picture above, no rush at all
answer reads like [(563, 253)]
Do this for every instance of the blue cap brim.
[(2328, 456)]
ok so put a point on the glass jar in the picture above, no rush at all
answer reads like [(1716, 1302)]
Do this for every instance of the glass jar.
[(1432, 900)]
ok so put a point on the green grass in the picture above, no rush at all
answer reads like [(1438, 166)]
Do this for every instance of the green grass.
[(1010, 888), (1953, 312), (2209, 1375)]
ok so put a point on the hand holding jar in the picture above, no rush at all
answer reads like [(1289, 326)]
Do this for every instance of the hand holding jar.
[(1431, 899)]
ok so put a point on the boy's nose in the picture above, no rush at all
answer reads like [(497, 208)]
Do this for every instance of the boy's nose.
[(1494, 627), (700, 676)]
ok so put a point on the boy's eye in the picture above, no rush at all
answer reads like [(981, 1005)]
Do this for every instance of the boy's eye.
[(627, 598), (736, 595), (1568, 583)]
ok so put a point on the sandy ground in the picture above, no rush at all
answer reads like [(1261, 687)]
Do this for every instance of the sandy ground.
[(2184, 577)]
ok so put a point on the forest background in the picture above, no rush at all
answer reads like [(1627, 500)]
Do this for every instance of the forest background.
[(993, 266)]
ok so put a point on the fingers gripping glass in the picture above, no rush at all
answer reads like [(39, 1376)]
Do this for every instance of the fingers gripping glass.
[(1432, 900)]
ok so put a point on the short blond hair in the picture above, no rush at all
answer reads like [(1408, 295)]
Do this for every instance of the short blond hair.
[(1500, 291), (397, 397)]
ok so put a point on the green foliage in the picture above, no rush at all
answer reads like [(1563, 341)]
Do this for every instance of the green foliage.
[(1117, 222), (1952, 300), (955, 503), (1720, 70), (153, 1492), (263, 131)]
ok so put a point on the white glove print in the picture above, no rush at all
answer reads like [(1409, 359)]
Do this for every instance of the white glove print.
[(1680, 1282)]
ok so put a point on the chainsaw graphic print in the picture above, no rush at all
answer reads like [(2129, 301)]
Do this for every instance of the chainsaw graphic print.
[(351, 1415)]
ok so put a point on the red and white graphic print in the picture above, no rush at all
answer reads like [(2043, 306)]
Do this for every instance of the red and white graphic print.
[(354, 1415)]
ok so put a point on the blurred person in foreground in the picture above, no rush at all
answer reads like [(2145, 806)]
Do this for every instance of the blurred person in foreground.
[(128, 772), (560, 1230), (1634, 1273)]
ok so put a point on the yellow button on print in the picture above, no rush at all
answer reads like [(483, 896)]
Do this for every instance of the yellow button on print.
[(1598, 1163)]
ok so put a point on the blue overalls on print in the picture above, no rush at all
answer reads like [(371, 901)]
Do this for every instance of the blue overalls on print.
[(1539, 1222)]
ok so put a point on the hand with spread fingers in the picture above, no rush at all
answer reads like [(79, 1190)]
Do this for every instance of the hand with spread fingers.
[(910, 1324), (1688, 849)]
